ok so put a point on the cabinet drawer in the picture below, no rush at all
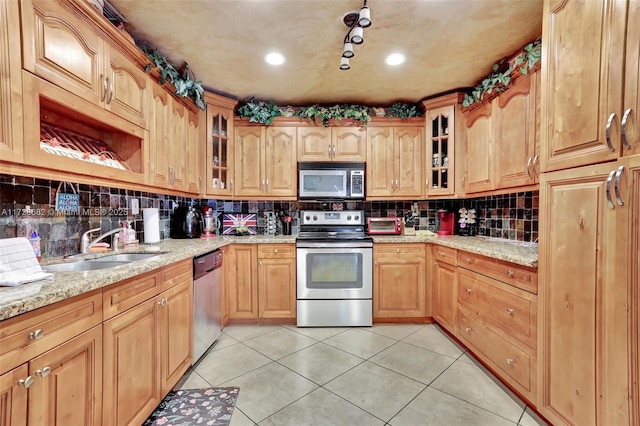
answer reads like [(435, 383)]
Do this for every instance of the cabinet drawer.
[(395, 249), (176, 273), (272, 251), (513, 363), (26, 336), (444, 254), (516, 275), (512, 310), (124, 295)]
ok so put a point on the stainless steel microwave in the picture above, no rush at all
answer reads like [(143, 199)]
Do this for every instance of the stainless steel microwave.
[(330, 181)]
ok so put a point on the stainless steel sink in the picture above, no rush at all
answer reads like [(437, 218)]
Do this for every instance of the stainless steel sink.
[(84, 265), (124, 257)]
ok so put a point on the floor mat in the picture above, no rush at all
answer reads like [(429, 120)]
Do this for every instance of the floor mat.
[(186, 407)]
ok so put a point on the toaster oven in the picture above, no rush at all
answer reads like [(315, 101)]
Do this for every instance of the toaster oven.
[(384, 225)]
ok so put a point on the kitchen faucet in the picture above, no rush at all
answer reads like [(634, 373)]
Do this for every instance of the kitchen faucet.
[(86, 243)]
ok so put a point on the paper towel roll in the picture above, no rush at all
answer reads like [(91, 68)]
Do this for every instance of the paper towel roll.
[(151, 219)]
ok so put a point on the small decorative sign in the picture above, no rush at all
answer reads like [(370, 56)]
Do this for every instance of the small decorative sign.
[(239, 224), (67, 202)]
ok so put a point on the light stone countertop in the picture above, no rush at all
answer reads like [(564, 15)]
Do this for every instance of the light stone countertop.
[(27, 297)]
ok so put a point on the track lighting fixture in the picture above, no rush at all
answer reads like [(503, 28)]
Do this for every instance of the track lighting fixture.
[(356, 21)]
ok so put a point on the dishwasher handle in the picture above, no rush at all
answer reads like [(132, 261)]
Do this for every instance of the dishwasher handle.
[(206, 263)]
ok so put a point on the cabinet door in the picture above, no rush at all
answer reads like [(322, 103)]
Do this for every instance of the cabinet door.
[(248, 165), (131, 365), (219, 159), (439, 163), (177, 145), (399, 288), (61, 48), (224, 297), (349, 144), (582, 82), (195, 149), (582, 306), (159, 171), (128, 89), (243, 281), (479, 173), (445, 305), (514, 133), (175, 314), (280, 171), (11, 145), (13, 397), (277, 288), (631, 115), (380, 164), (408, 166), (314, 144), (68, 387)]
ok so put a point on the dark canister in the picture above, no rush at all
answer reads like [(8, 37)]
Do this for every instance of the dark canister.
[(186, 222)]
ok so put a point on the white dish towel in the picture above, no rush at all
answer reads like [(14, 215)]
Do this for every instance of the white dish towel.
[(18, 263)]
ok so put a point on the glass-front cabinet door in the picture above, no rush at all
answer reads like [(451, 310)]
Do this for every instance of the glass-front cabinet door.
[(219, 160), (440, 151)]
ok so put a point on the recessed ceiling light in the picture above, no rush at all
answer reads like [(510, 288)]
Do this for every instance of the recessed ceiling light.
[(274, 59), (395, 59)]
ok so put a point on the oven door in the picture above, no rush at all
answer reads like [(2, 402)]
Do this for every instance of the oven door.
[(334, 271)]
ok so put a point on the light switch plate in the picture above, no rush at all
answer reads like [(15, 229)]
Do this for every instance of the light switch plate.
[(135, 206)]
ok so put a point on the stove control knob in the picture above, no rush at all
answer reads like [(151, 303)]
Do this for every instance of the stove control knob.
[(315, 217), (307, 217), (356, 218), (349, 217)]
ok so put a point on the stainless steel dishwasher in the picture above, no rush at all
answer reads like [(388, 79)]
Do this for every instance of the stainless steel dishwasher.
[(207, 286)]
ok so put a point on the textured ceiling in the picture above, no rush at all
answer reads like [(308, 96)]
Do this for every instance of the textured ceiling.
[(448, 44)]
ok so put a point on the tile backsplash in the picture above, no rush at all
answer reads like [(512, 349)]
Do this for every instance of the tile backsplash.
[(28, 204)]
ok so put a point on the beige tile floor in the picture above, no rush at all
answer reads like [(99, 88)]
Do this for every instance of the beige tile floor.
[(398, 375)]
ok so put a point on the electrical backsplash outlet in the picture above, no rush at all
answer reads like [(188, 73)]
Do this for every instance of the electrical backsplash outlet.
[(135, 206)]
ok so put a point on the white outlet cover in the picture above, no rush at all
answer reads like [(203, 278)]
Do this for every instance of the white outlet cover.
[(135, 206)]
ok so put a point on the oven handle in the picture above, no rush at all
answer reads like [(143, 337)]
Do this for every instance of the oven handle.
[(332, 245)]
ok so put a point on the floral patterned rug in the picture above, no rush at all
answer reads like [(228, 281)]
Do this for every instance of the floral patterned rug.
[(209, 406)]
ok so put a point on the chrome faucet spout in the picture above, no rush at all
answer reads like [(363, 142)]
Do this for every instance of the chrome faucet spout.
[(86, 243)]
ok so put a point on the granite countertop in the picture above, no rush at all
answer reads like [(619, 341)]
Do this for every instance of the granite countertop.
[(27, 297)]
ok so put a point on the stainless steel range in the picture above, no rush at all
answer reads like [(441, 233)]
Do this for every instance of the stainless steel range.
[(334, 269)]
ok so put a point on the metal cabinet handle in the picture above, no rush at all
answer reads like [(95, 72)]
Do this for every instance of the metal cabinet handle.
[(509, 361), (334, 151), (104, 88), (464, 177), (468, 290), (26, 382), (468, 329), (44, 372), (397, 186), (623, 128), (262, 186), (608, 190), (529, 161), (510, 273), (163, 302), (199, 182), (36, 335), (510, 311), (617, 186), (275, 251), (426, 183), (267, 185), (468, 260), (231, 181), (110, 91), (397, 250), (608, 131), (535, 166), (391, 185), (329, 150)]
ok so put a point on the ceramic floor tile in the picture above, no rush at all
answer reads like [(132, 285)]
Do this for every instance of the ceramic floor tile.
[(223, 341), (191, 380), (468, 358), (321, 408), (320, 362), (435, 408), (419, 364), (227, 363), (360, 343), (238, 418), (279, 343), (430, 337), (269, 389), (529, 418), (475, 385), (395, 331), (318, 333), (376, 390), (246, 332)]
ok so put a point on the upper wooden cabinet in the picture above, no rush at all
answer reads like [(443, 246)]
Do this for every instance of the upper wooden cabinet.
[(331, 144), (159, 171), (265, 162), (479, 136), (194, 182), (219, 158), (61, 47), (11, 145), (583, 67), (394, 162), (630, 122)]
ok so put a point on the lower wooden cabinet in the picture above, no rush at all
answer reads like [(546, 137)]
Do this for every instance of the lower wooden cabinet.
[(445, 287), (242, 280), (13, 397), (399, 281), (276, 281)]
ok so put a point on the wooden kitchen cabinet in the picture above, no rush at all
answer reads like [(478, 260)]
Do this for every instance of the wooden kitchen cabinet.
[(445, 287), (219, 158), (265, 162), (332, 144), (394, 162), (11, 117), (399, 281), (479, 141), (242, 280), (194, 183), (159, 128), (276, 281), (630, 121), (177, 146), (224, 296), (13, 397)]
